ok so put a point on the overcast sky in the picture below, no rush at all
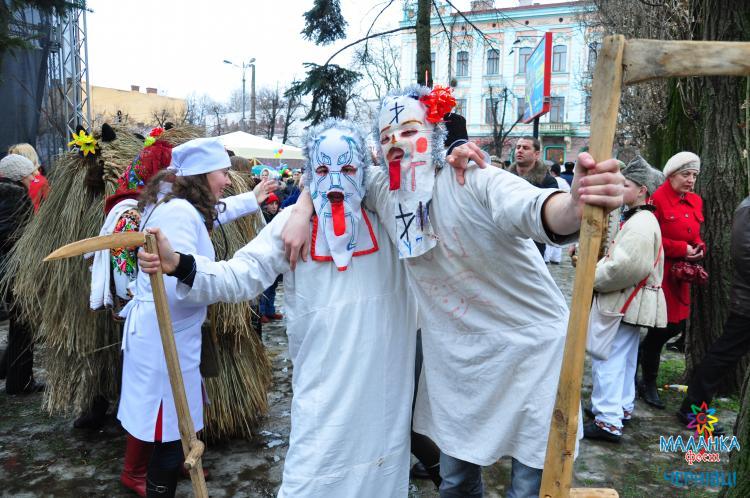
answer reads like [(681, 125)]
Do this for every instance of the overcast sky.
[(178, 46)]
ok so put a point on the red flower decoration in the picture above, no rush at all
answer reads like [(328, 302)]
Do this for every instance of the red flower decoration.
[(439, 102), (156, 132)]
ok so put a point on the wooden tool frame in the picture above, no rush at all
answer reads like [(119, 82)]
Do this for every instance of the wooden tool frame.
[(620, 62)]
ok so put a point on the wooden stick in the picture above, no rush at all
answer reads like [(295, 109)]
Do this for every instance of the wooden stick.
[(558, 463), (191, 446), (649, 59)]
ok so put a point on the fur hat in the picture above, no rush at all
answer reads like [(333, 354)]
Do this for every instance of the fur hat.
[(681, 161), (641, 172), (15, 167)]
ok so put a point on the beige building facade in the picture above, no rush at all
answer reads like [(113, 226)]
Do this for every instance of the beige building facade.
[(136, 107)]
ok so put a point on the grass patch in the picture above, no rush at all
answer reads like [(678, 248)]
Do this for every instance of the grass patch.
[(671, 372)]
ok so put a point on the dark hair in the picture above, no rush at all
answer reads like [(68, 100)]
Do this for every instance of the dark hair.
[(555, 168), (193, 189), (534, 142)]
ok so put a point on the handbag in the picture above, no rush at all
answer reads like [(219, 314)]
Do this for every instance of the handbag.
[(687, 271), (603, 325)]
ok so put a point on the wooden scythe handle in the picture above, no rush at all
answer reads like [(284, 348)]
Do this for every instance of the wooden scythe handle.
[(558, 463), (191, 446)]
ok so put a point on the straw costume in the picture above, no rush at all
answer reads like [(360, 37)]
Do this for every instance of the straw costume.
[(82, 347)]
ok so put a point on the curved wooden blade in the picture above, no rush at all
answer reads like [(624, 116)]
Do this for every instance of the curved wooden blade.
[(126, 239), (649, 59)]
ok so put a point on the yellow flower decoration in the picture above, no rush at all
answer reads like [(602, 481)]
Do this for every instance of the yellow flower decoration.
[(149, 141), (86, 143)]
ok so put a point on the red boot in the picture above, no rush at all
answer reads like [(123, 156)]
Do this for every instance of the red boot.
[(137, 455)]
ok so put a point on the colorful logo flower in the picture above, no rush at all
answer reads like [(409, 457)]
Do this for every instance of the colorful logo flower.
[(702, 420)]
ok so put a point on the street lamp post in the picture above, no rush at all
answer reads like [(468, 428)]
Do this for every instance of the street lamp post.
[(250, 64)]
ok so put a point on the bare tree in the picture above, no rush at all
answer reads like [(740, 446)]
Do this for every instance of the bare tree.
[(269, 105), (380, 63), (294, 106), (196, 109), (161, 116), (499, 100)]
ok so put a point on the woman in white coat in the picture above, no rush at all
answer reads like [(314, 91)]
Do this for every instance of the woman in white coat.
[(628, 281), (184, 202)]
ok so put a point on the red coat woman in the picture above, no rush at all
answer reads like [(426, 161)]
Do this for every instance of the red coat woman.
[(680, 215)]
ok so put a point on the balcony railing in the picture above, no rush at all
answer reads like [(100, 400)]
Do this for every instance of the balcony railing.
[(553, 128)]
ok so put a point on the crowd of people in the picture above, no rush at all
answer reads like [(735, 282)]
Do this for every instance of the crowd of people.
[(402, 327)]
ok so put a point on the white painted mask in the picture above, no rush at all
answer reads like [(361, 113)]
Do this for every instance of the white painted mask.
[(406, 145), (337, 188)]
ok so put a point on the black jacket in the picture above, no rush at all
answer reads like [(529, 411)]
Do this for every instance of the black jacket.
[(15, 211), (740, 293)]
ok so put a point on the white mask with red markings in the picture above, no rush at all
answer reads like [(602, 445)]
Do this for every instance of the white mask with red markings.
[(337, 188), (406, 144)]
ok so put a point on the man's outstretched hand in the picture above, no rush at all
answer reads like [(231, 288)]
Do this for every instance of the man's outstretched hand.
[(460, 156), (598, 184)]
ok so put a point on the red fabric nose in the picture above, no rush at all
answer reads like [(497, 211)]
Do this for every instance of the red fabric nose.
[(339, 222), (394, 173)]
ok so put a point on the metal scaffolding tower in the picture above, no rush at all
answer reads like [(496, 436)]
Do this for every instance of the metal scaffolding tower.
[(67, 97)]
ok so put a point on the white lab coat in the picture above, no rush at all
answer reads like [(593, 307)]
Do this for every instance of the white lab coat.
[(493, 321), (351, 340), (145, 383)]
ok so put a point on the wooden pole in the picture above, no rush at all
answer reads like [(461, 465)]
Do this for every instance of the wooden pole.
[(191, 446), (558, 464)]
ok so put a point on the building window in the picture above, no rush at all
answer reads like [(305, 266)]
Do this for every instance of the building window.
[(462, 63), (523, 56), (460, 108), (490, 107), (593, 54), (521, 106), (559, 58), (587, 110), (493, 61), (557, 109)]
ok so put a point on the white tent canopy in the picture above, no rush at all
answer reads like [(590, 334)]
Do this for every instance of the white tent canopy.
[(251, 146)]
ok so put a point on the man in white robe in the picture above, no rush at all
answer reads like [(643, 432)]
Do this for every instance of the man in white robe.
[(493, 321), (351, 328)]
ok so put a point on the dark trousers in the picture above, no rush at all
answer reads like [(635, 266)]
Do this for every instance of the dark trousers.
[(649, 352), (541, 247), (268, 299), (721, 358), (19, 357)]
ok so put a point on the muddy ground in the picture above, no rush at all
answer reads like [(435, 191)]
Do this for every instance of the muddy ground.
[(45, 456)]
